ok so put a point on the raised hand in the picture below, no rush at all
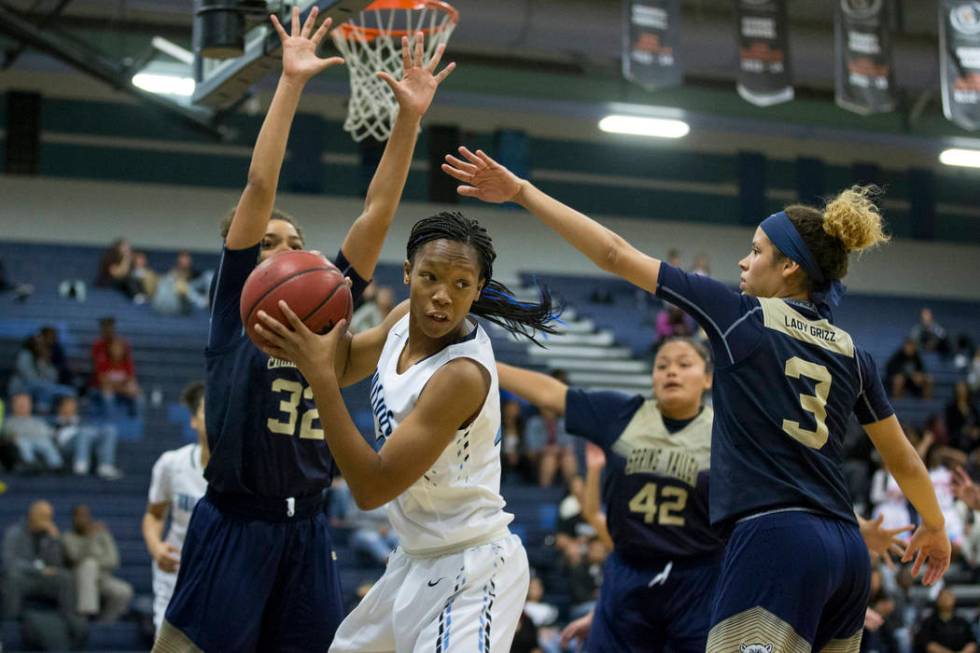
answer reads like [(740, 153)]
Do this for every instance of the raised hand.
[(484, 178), (299, 60), (419, 81)]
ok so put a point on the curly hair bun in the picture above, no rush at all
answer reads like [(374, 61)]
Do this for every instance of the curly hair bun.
[(853, 218)]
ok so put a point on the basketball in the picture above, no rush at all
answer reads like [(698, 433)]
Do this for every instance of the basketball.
[(311, 285)]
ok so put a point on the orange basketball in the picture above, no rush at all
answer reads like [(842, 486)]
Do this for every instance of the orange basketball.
[(313, 287)]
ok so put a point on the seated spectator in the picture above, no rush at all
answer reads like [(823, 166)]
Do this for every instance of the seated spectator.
[(49, 338), (943, 631), (674, 258), (115, 378), (34, 564), (77, 438), (548, 446), (115, 271), (144, 274), (33, 437), (928, 333), (36, 375), (92, 552), (371, 313), (372, 535), (906, 371), (107, 334), (963, 419), (673, 322), (183, 289)]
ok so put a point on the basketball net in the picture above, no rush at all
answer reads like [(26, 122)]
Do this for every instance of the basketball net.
[(372, 42)]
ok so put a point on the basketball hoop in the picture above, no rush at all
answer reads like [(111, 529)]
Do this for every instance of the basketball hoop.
[(372, 42)]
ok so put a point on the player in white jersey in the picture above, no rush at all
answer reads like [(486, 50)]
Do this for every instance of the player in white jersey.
[(177, 484), (459, 579)]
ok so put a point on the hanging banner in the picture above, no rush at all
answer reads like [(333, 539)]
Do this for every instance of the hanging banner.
[(865, 82), (763, 52), (651, 33), (959, 54)]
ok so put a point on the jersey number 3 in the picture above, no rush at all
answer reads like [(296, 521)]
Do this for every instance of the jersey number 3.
[(287, 425), (672, 503), (815, 403)]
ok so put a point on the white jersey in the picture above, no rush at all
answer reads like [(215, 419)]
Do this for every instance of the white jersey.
[(178, 479), (457, 502)]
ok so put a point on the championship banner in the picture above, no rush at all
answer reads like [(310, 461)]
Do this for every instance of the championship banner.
[(865, 82), (959, 54), (763, 52), (651, 34)]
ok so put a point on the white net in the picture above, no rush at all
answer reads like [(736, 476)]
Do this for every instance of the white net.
[(371, 43)]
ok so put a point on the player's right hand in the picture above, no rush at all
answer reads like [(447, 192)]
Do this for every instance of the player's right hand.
[(485, 179), (929, 546), (167, 557), (299, 60)]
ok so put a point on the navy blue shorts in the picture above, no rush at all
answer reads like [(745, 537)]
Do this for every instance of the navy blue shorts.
[(649, 608), (252, 585), (791, 582)]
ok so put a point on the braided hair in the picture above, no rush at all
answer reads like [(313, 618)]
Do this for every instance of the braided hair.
[(496, 302)]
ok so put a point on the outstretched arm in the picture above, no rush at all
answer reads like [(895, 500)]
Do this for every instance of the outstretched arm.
[(299, 65), (414, 93), (487, 180), (929, 542), (540, 389)]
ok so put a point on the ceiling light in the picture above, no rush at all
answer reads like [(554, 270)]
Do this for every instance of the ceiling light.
[(164, 84), (960, 157), (640, 126)]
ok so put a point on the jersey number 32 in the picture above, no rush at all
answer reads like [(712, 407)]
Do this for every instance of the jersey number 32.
[(289, 407)]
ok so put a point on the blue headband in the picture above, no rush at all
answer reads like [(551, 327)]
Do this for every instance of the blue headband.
[(783, 234)]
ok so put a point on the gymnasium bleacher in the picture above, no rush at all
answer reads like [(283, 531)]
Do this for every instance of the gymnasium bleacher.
[(607, 345)]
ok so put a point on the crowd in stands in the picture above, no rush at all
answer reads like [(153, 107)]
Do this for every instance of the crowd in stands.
[(182, 290), (57, 421), (72, 571)]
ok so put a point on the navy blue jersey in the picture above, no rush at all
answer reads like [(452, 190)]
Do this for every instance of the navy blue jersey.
[(786, 383), (656, 485), (263, 427)]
